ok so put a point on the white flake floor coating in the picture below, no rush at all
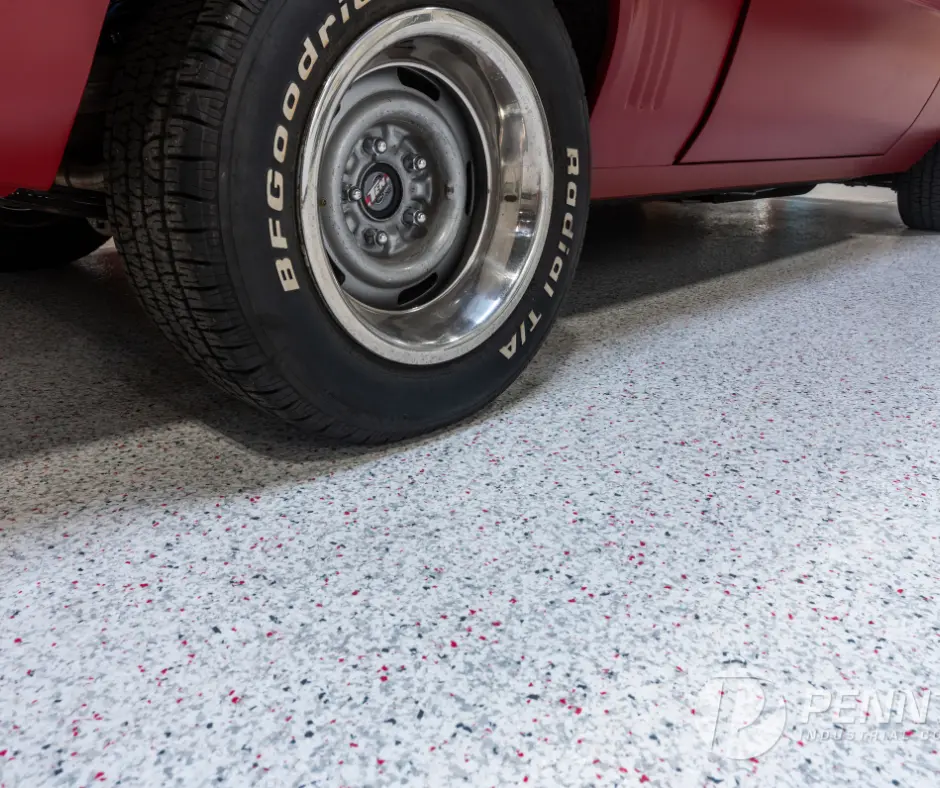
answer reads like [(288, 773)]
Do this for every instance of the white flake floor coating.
[(723, 464)]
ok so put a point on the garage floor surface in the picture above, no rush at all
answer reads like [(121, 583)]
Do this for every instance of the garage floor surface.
[(720, 476)]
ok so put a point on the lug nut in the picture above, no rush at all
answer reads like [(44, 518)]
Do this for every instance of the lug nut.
[(353, 194), (415, 218), (374, 238), (416, 163), (375, 145)]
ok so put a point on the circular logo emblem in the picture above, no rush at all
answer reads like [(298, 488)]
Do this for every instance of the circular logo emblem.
[(740, 717), (381, 192)]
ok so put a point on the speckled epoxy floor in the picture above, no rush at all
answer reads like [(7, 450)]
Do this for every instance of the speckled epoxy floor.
[(723, 463)]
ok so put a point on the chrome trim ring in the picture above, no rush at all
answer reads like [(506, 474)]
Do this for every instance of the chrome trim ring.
[(439, 88)]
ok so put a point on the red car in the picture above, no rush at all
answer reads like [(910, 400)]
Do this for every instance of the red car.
[(362, 215)]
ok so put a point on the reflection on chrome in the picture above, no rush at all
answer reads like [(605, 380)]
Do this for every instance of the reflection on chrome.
[(427, 186)]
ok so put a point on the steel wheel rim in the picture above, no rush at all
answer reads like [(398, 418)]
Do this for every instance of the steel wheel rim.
[(484, 231)]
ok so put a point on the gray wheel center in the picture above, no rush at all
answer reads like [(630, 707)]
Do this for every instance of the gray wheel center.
[(396, 181), (426, 186), (382, 192)]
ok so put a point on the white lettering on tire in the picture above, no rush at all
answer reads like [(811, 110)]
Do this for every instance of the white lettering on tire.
[(308, 61), (324, 35), (290, 101), (285, 270), (278, 241), (274, 179), (554, 273), (522, 334), (574, 161), (274, 182), (275, 190), (280, 144)]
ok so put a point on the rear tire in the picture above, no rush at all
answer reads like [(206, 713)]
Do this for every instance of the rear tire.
[(32, 240), (235, 238), (919, 193)]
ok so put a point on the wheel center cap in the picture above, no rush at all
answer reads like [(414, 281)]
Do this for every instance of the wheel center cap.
[(381, 191)]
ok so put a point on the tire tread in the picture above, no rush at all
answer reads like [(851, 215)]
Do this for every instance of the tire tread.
[(919, 193), (164, 145)]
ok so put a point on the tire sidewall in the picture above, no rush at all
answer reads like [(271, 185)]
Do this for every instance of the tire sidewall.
[(291, 320)]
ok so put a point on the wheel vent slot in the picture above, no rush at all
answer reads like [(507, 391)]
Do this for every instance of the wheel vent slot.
[(338, 273), (417, 81), (470, 189), (417, 291)]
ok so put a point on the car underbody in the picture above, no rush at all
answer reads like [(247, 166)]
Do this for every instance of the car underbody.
[(318, 200)]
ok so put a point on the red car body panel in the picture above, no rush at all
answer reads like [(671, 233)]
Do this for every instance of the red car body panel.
[(46, 49), (696, 95), (823, 78), (666, 58), (746, 132)]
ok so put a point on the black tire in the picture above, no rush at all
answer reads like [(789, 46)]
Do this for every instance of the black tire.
[(919, 193), (198, 98), (31, 240)]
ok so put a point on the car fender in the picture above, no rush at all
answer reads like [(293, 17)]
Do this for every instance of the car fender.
[(46, 51)]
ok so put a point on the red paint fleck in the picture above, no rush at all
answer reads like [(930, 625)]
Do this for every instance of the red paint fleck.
[(236, 699)]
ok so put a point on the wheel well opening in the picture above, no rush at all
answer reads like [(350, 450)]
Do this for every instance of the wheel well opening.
[(591, 25)]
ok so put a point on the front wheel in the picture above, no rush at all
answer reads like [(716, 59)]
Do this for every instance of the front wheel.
[(361, 217)]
